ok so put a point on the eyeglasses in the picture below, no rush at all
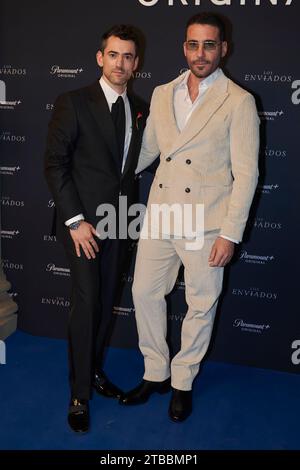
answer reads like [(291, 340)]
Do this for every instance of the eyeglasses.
[(208, 45)]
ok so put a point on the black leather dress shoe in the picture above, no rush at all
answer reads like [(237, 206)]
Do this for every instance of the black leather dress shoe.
[(79, 417), (180, 405), (144, 390), (104, 387)]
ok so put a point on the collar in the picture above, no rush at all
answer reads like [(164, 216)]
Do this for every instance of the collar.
[(208, 81), (110, 94)]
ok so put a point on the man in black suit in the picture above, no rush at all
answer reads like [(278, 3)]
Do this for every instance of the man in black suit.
[(92, 151)]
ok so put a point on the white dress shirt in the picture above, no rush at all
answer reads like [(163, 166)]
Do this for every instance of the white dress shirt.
[(111, 97), (184, 107)]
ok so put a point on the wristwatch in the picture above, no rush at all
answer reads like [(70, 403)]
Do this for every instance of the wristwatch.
[(75, 225)]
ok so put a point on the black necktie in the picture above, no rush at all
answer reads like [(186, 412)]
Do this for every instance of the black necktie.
[(118, 117)]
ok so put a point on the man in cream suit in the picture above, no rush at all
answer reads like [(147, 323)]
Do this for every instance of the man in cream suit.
[(206, 130)]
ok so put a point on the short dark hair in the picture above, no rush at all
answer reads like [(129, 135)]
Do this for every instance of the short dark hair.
[(211, 19), (126, 32)]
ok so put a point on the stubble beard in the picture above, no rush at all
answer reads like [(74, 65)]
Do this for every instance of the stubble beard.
[(119, 81)]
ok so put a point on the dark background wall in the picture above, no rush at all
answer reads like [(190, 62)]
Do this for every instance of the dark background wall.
[(49, 47)]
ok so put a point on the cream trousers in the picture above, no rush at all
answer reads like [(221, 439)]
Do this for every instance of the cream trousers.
[(156, 270)]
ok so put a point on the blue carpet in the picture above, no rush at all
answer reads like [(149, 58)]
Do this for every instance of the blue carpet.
[(235, 407)]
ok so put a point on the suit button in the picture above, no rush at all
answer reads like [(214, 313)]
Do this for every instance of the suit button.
[(168, 159), (188, 161), (187, 190), (160, 185)]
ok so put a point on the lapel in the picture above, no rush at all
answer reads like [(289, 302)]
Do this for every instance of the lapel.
[(166, 110), (100, 111), (134, 133), (213, 99)]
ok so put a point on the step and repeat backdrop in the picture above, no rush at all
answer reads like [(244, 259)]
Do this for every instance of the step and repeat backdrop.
[(48, 48)]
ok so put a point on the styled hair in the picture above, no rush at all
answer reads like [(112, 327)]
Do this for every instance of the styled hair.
[(125, 32), (210, 19)]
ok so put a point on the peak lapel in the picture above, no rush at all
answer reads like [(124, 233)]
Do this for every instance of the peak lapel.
[(134, 133), (214, 98), (167, 113)]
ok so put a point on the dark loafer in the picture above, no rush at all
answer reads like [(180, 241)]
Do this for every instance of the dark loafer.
[(104, 387), (144, 390), (180, 405), (78, 416)]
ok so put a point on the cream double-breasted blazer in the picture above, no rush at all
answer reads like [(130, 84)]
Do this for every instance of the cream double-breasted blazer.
[(212, 161)]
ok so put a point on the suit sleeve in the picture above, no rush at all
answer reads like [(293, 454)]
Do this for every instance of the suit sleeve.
[(149, 150), (244, 149), (61, 141)]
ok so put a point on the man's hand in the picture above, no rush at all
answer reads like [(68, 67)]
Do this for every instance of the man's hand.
[(221, 252), (83, 237)]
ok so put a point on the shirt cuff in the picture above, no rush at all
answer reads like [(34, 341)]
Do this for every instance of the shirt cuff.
[(74, 219), (230, 239)]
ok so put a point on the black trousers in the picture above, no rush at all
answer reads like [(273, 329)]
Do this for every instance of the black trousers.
[(95, 288)]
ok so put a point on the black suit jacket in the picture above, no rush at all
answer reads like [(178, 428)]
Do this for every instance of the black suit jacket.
[(81, 162)]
